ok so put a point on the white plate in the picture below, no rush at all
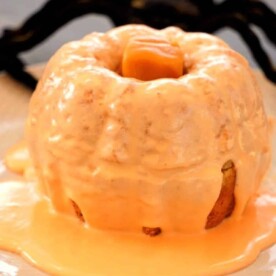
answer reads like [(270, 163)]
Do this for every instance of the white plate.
[(13, 111)]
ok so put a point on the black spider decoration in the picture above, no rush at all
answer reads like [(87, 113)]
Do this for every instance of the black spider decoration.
[(190, 15)]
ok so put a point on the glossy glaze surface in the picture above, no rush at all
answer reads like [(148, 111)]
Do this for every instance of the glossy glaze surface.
[(50, 239), (157, 147)]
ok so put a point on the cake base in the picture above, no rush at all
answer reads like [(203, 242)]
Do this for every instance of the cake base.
[(12, 120), (61, 245)]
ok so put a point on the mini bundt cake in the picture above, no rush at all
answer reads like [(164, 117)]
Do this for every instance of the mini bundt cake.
[(148, 130)]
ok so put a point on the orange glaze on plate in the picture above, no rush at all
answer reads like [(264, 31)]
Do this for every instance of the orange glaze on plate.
[(96, 157), (61, 245)]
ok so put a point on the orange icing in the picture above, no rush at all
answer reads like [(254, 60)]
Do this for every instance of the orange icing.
[(17, 157), (157, 147), (62, 245)]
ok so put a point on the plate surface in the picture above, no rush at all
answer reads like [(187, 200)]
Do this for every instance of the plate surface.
[(13, 112)]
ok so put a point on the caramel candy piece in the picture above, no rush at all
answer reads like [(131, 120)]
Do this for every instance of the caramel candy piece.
[(149, 58)]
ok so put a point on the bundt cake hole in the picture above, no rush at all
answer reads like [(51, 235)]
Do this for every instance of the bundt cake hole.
[(225, 203), (78, 211), (152, 231)]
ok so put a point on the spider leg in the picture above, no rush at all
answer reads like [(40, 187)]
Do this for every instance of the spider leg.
[(15, 68), (255, 12), (47, 20), (239, 23), (52, 16), (261, 15)]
